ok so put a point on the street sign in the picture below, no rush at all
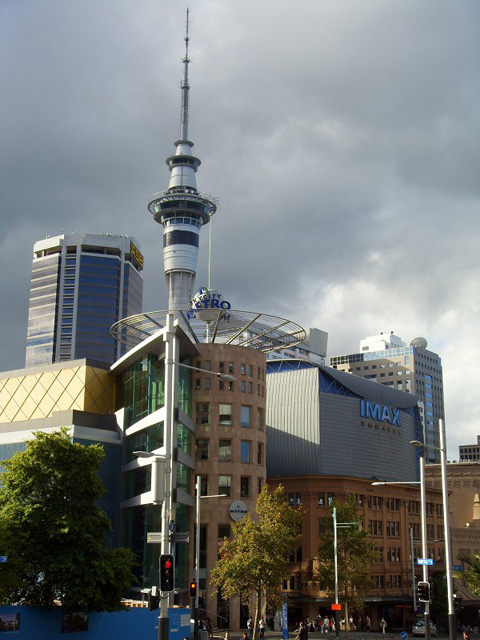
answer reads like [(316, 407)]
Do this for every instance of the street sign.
[(154, 537), (457, 567), (428, 561), (336, 607), (404, 635), (3, 558)]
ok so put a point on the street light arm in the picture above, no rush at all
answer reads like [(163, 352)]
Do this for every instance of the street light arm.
[(222, 376)]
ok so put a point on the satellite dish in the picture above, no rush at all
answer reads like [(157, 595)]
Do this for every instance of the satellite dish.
[(420, 343)]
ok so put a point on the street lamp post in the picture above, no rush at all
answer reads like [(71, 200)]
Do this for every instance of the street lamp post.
[(199, 497), (446, 525), (338, 525)]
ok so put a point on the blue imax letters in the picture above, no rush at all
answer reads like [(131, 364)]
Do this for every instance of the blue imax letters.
[(379, 412)]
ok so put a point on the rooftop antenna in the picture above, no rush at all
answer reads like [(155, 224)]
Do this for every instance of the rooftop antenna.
[(185, 88)]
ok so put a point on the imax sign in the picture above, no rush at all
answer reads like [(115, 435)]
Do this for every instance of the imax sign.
[(379, 412)]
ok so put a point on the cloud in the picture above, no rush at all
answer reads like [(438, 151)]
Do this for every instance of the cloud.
[(341, 139)]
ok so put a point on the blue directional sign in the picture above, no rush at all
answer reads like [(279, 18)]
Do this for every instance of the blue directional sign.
[(428, 561), (457, 567), (3, 558), (404, 635)]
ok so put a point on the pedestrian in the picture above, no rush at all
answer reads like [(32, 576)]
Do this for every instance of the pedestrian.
[(383, 625), (368, 623), (250, 627), (227, 636), (302, 632), (326, 625), (261, 626)]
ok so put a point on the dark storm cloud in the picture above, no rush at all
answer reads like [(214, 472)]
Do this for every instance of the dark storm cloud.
[(341, 139)]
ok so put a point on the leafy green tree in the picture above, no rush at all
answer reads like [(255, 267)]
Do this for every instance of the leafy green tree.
[(53, 531), (355, 552), (254, 562), (471, 573)]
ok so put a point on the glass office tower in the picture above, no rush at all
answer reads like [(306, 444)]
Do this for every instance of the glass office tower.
[(81, 284)]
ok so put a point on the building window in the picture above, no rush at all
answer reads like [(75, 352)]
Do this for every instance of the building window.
[(230, 368), (242, 386), (244, 416), (378, 582), (250, 370), (245, 487), (259, 485), (208, 383), (224, 450), (321, 499), (225, 414), (203, 413), (204, 485), (375, 527), (393, 529), (393, 554), (224, 485), (242, 368), (259, 419), (245, 451), (259, 453), (202, 448), (330, 498)]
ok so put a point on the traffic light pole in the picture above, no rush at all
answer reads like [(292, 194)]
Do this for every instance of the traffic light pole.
[(169, 439), (424, 541)]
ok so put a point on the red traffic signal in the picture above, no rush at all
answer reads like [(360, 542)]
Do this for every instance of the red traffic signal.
[(167, 571), (193, 589), (423, 591)]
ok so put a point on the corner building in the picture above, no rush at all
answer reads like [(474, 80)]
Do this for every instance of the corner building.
[(229, 456)]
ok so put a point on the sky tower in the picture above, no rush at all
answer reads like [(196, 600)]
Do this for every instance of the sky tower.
[(181, 209)]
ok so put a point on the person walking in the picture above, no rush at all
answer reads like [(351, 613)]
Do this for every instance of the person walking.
[(383, 625), (261, 626)]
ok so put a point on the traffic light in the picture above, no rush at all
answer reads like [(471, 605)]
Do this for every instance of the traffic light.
[(423, 592), (166, 572), (193, 589), (457, 602), (153, 599)]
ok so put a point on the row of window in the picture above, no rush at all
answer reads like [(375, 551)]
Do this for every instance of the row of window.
[(224, 486), (225, 412), (229, 367), (224, 453), (245, 386), (392, 582)]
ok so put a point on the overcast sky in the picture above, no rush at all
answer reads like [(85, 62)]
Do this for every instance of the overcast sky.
[(341, 138)]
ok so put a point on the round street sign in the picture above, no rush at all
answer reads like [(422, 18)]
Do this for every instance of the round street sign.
[(404, 635)]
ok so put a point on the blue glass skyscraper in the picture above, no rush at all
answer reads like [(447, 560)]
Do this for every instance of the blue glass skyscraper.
[(81, 284)]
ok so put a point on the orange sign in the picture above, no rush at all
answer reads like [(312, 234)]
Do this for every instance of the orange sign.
[(336, 607)]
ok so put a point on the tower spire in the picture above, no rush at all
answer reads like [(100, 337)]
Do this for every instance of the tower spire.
[(185, 88), (181, 209)]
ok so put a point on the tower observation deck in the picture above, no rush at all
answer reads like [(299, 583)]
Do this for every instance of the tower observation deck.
[(181, 209)]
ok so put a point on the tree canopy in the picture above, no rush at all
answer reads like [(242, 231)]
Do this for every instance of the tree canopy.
[(355, 552), (54, 532), (254, 561)]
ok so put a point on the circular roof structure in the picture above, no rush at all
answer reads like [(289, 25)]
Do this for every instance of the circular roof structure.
[(421, 343), (244, 328)]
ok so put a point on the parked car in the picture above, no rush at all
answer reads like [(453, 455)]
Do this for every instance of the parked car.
[(419, 629)]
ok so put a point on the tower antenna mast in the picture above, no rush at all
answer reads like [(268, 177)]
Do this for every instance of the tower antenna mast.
[(185, 88)]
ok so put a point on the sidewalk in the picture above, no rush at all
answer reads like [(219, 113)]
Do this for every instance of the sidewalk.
[(315, 635)]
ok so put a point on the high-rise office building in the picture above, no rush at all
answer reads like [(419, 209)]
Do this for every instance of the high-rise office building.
[(386, 359), (80, 285)]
